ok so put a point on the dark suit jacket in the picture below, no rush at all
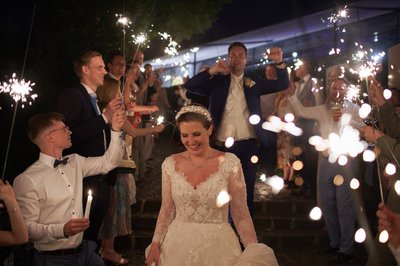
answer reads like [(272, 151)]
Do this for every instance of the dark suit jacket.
[(217, 87), (86, 126)]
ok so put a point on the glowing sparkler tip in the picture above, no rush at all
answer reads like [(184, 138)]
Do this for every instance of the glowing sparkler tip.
[(19, 90)]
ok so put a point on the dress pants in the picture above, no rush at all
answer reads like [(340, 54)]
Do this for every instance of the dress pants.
[(337, 204), (87, 257)]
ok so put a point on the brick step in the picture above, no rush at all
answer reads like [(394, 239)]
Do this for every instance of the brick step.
[(273, 238)]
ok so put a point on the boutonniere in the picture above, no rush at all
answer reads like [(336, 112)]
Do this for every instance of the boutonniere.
[(248, 82)]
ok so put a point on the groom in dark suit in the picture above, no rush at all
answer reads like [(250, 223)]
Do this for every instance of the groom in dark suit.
[(90, 129), (233, 98)]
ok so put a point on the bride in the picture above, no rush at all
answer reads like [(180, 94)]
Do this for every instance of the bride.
[(192, 227)]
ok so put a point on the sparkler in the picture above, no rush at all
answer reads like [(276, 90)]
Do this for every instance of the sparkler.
[(339, 16), (172, 46), (20, 91), (160, 120)]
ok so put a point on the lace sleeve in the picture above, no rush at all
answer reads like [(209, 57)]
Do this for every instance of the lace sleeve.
[(238, 205), (167, 211)]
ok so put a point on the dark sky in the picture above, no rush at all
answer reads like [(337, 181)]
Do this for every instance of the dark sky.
[(245, 15), (236, 17)]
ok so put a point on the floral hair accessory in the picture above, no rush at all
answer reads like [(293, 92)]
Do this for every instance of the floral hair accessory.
[(248, 82), (194, 109)]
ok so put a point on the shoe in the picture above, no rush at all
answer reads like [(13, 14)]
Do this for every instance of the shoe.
[(328, 250), (113, 257), (342, 258)]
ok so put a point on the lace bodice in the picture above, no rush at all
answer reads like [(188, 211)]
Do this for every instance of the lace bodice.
[(183, 202)]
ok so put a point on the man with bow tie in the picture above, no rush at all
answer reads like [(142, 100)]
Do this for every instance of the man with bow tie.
[(50, 191), (233, 98)]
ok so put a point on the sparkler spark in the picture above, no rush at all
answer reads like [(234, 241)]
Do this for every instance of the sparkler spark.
[(339, 16), (160, 120), (19, 90), (172, 47), (125, 21)]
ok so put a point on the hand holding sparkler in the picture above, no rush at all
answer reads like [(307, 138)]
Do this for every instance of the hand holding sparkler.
[(158, 128), (375, 92), (118, 120), (275, 54), (389, 221), (220, 67), (112, 107), (371, 134)]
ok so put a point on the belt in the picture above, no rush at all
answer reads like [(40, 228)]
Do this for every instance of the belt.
[(62, 252)]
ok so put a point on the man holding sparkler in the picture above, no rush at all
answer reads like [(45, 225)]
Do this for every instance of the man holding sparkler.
[(333, 175), (234, 98), (387, 143), (49, 192), (91, 128)]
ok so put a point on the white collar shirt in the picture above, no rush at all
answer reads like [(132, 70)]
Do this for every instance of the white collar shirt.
[(235, 119), (50, 196)]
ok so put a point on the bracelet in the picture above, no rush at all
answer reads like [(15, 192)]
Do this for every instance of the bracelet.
[(13, 210), (280, 63)]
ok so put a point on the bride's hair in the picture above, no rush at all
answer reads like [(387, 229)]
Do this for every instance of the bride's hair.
[(194, 112)]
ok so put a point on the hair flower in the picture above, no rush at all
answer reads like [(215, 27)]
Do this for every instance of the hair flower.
[(248, 82)]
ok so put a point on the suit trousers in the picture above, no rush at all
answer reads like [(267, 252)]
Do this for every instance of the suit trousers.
[(244, 150), (337, 203)]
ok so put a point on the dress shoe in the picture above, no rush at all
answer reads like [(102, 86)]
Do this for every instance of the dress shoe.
[(342, 258), (328, 250)]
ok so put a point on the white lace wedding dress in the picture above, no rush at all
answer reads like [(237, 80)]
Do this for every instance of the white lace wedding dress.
[(191, 228)]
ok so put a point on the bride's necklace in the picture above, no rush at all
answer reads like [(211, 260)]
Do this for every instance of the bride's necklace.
[(197, 166)]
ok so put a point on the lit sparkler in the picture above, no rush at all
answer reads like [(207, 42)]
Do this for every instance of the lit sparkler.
[(339, 16), (160, 120), (140, 38), (19, 90), (124, 21), (172, 47), (275, 124)]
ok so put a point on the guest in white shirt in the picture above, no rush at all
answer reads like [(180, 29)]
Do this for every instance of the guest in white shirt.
[(49, 192)]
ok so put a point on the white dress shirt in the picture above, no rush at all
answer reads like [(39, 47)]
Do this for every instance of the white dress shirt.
[(323, 115), (49, 197), (235, 119)]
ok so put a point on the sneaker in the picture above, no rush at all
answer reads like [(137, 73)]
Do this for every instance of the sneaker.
[(342, 258)]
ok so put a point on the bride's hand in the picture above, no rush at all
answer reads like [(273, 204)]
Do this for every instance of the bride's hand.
[(154, 255)]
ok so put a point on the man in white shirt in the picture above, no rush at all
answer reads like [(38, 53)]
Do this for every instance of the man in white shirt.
[(49, 192)]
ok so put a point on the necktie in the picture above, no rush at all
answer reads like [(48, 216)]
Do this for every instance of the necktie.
[(93, 97), (299, 88), (62, 161)]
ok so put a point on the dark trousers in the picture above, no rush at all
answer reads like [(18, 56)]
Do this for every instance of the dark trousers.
[(86, 257), (244, 150), (101, 198)]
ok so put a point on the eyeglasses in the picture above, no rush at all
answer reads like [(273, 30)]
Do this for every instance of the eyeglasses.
[(64, 129)]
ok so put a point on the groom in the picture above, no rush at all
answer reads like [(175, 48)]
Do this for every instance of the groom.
[(233, 98)]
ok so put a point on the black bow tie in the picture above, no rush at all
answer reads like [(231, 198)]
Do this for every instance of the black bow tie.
[(58, 162)]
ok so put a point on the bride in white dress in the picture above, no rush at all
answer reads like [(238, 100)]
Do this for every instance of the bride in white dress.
[(192, 228)]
